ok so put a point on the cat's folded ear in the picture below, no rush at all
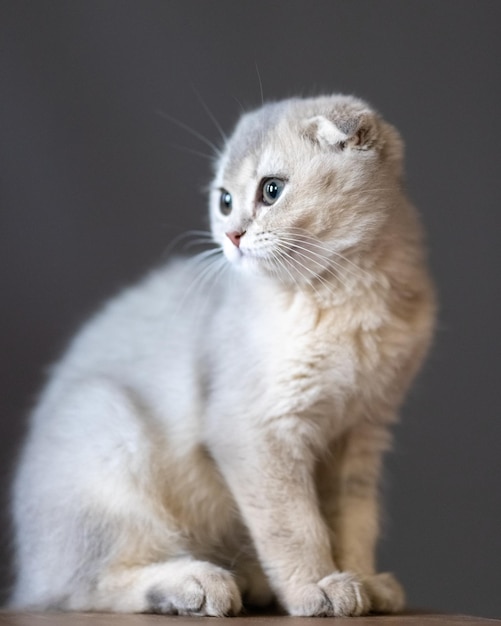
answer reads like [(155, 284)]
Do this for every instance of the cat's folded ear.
[(359, 131)]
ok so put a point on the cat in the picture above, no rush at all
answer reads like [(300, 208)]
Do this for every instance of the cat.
[(214, 435)]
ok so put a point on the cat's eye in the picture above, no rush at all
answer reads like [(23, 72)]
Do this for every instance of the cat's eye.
[(225, 202), (271, 190)]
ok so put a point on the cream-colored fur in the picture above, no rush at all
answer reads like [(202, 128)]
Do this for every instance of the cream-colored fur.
[(216, 432)]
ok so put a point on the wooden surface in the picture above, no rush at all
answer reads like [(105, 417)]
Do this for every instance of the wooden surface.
[(102, 619)]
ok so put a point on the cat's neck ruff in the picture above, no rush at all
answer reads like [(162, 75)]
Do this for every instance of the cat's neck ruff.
[(328, 290)]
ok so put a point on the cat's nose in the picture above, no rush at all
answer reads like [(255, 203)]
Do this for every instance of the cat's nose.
[(234, 236)]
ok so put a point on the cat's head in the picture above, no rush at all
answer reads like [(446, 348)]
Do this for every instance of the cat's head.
[(301, 182)]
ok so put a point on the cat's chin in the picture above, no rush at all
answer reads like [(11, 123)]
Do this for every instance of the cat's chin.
[(244, 260), (258, 268), (254, 266), (248, 264)]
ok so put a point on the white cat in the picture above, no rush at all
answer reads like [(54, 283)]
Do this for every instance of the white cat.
[(216, 432)]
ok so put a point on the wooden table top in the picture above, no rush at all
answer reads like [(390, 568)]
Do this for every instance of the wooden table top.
[(108, 619)]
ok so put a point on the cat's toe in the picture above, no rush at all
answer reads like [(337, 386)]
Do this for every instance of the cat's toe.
[(309, 601), (204, 589), (385, 593), (222, 596), (340, 594), (346, 594), (186, 598)]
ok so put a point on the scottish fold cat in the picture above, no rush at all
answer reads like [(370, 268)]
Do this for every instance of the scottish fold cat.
[(214, 435)]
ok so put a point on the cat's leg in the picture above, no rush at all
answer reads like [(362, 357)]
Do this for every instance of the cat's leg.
[(94, 527), (348, 486), (182, 586), (125, 563), (271, 476)]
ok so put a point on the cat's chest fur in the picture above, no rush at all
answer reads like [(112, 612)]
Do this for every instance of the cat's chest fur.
[(274, 353)]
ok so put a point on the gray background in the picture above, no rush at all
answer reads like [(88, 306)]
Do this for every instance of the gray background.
[(92, 189)]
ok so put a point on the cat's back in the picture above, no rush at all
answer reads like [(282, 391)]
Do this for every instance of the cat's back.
[(148, 318), (143, 343)]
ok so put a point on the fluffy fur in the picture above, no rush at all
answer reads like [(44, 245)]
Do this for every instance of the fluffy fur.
[(216, 432)]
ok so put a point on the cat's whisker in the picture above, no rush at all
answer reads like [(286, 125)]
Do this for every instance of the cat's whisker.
[(204, 266), (370, 277), (336, 275), (310, 273), (369, 190), (210, 260), (239, 102), (185, 235), (282, 262), (189, 233), (274, 268), (209, 283), (328, 260), (207, 256), (210, 113), (322, 261), (199, 242), (324, 269), (306, 237), (260, 84), (198, 232), (327, 264), (199, 287), (209, 157), (192, 132), (204, 295), (202, 238)]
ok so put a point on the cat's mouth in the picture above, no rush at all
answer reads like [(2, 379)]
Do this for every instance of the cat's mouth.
[(251, 257), (290, 259), (276, 261)]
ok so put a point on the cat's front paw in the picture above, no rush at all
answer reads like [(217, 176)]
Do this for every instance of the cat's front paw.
[(203, 589), (385, 593), (340, 594)]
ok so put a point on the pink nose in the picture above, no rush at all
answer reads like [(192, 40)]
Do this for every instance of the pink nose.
[(235, 237)]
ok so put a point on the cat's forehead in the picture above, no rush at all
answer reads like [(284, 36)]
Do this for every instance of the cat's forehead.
[(251, 139), (269, 137)]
